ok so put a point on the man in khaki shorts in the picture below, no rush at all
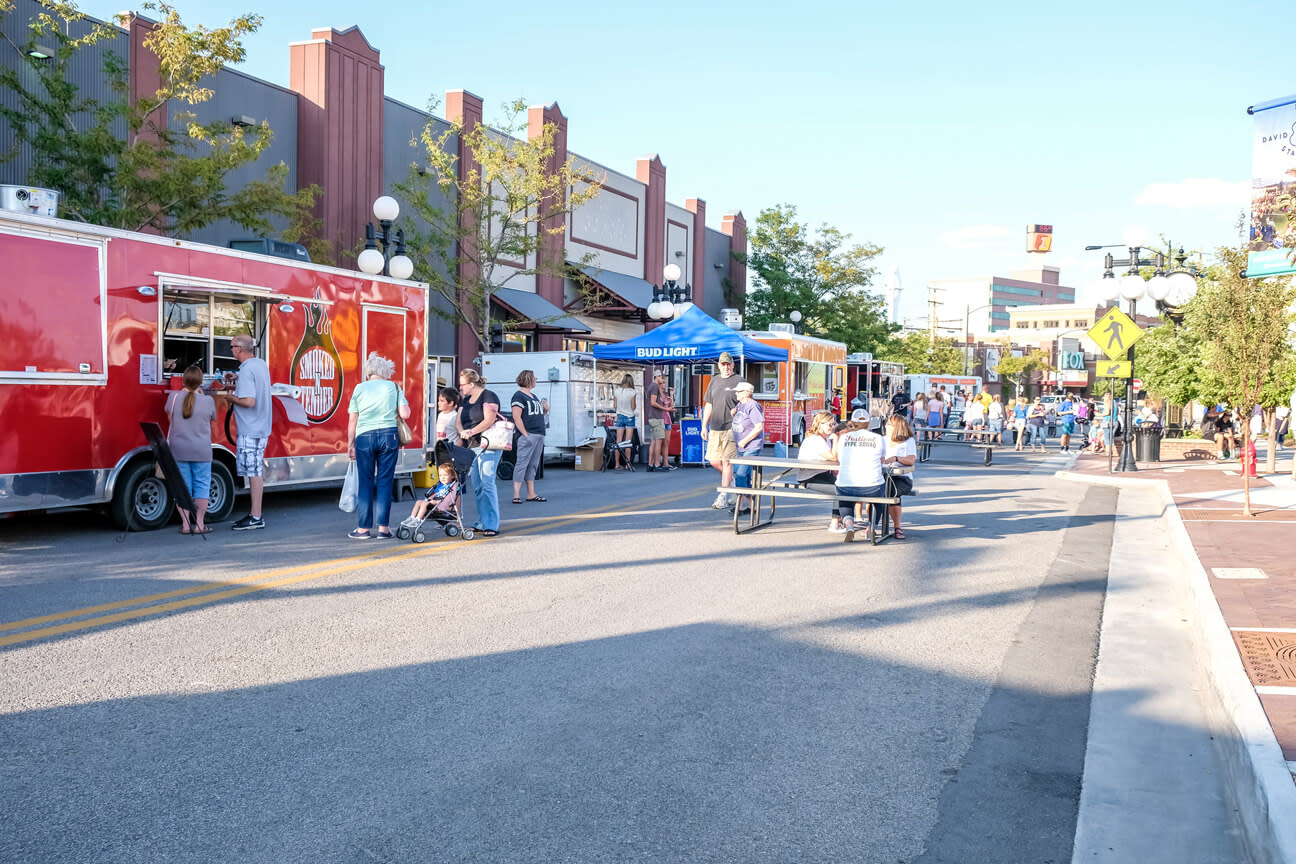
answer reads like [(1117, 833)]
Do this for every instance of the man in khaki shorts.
[(717, 429), (657, 411)]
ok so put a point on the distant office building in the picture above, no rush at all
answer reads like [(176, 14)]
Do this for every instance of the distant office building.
[(982, 305)]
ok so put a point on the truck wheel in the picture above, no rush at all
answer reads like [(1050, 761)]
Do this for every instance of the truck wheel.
[(799, 437), (223, 487), (141, 501)]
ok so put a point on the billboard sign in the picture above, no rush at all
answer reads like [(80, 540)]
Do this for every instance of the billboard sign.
[(1272, 236)]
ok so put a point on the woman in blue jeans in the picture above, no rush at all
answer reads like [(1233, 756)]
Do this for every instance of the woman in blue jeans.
[(748, 431), (478, 410), (372, 443)]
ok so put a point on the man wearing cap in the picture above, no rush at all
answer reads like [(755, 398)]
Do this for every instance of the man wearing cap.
[(748, 432), (717, 424)]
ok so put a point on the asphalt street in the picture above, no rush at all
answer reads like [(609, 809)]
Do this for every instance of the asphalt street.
[(616, 677)]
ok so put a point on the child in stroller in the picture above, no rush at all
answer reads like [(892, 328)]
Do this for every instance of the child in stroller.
[(442, 502)]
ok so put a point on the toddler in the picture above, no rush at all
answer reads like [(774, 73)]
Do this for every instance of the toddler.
[(435, 495)]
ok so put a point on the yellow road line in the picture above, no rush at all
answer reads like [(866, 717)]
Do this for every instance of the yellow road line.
[(250, 584)]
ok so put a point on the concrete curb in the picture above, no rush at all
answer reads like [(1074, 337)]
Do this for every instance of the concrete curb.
[(1260, 783)]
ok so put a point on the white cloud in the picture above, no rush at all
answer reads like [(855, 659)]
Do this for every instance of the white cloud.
[(1197, 192), (976, 236)]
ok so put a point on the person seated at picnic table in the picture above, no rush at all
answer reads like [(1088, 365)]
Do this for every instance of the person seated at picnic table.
[(858, 453), (817, 446), (899, 451), (748, 426)]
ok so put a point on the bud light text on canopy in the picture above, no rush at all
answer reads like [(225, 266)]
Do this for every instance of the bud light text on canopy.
[(681, 351)]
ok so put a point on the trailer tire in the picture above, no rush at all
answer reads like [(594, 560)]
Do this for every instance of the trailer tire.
[(504, 470), (223, 488), (799, 437), (141, 501)]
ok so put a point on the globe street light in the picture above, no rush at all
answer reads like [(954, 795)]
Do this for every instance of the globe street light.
[(391, 260), (1170, 289), (795, 317), (672, 298)]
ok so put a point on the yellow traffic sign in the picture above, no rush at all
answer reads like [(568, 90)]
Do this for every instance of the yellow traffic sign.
[(1115, 333), (1114, 369)]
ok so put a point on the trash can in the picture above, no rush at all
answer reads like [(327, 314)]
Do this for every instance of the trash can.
[(1148, 443)]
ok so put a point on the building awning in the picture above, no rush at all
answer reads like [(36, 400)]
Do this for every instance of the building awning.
[(636, 293), (531, 307)]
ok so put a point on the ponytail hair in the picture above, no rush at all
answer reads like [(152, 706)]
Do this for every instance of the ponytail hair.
[(193, 378)]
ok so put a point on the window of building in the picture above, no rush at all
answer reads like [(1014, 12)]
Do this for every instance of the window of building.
[(1021, 292)]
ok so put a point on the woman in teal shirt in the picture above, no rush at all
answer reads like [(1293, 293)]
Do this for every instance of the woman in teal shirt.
[(373, 444)]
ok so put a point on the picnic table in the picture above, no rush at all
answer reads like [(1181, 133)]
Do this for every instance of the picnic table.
[(928, 435), (779, 485)]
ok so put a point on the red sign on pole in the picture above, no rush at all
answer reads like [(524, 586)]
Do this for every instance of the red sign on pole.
[(1138, 384)]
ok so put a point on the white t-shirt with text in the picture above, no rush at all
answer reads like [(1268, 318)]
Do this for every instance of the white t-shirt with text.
[(861, 458)]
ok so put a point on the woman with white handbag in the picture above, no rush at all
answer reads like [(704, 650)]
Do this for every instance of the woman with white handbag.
[(373, 442), (478, 411)]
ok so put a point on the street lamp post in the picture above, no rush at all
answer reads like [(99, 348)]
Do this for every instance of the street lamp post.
[(795, 317), (391, 260), (672, 298), (1170, 288), (967, 335)]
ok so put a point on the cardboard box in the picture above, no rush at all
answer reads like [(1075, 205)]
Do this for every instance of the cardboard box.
[(590, 457)]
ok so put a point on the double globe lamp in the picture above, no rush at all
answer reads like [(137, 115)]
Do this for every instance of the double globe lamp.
[(373, 261), (671, 291)]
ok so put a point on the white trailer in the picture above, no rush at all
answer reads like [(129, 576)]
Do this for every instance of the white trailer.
[(579, 391)]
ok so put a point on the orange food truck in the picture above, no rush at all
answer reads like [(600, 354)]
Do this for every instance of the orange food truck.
[(791, 391)]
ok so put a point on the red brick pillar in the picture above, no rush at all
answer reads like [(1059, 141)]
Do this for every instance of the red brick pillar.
[(145, 69), (652, 173), (552, 246), (339, 84), (736, 227), (465, 109), (697, 207)]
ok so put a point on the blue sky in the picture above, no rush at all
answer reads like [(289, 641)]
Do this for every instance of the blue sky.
[(935, 130)]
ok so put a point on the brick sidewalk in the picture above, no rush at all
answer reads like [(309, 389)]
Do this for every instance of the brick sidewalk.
[(1251, 563)]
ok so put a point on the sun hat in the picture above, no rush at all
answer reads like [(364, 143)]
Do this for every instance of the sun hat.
[(745, 385)]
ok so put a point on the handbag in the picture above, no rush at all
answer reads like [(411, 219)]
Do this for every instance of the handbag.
[(499, 436), (403, 432), (350, 489)]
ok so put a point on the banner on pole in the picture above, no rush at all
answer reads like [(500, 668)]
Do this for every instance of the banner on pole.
[(1272, 237)]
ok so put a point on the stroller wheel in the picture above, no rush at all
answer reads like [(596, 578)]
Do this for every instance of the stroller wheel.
[(467, 533), (419, 536), (452, 530), (403, 533)]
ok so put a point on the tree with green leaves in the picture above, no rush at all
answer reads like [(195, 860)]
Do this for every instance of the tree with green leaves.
[(167, 172), (820, 274), (1246, 342), (1019, 371), (499, 215), (1170, 364), (920, 354)]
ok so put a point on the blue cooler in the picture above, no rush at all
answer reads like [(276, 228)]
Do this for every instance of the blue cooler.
[(692, 447)]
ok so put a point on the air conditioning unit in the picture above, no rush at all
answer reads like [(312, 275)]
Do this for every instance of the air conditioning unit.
[(29, 200), (731, 318), (781, 327), (277, 248)]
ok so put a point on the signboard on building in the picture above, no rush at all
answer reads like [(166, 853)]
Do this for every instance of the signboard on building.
[(1273, 184), (1039, 238)]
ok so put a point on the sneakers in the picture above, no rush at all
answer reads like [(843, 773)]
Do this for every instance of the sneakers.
[(249, 523), (721, 502), (842, 527)]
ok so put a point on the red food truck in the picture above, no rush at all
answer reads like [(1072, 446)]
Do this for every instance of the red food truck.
[(96, 325)]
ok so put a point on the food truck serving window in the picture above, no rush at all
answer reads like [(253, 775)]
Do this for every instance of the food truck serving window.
[(197, 328)]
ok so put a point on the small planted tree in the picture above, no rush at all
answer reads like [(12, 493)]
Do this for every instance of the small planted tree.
[(1018, 371), (921, 354), (1246, 350), (499, 214), (130, 164)]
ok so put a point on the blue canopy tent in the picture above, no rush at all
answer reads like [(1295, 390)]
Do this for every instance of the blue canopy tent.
[(689, 338)]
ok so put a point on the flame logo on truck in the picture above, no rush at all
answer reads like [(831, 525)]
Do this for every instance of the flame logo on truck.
[(317, 368)]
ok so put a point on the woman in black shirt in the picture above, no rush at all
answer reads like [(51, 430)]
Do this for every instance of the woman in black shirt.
[(478, 411)]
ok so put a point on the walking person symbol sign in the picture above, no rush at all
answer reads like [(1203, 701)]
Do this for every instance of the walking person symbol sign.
[(1115, 333)]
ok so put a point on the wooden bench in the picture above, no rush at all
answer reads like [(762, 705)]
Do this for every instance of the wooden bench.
[(782, 491), (925, 445)]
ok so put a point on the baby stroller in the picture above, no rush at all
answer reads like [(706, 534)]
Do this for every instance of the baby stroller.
[(447, 512)]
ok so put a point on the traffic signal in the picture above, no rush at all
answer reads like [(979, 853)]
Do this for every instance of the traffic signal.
[(497, 338)]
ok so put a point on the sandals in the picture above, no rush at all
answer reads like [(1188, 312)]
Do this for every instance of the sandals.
[(519, 500), (532, 498), (899, 534), (489, 532)]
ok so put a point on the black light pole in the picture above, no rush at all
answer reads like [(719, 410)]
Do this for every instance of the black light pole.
[(671, 293), (391, 260), (1166, 285)]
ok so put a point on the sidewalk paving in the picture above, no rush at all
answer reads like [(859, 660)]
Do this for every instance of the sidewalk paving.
[(1249, 566)]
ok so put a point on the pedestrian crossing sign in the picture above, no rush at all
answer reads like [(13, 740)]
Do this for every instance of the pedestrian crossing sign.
[(1114, 333), (1113, 369)]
